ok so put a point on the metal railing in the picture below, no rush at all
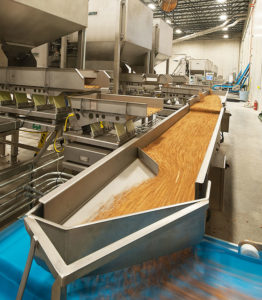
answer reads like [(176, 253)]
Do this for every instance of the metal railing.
[(29, 188)]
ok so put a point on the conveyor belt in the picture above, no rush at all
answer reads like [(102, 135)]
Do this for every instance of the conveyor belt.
[(179, 153), (115, 243)]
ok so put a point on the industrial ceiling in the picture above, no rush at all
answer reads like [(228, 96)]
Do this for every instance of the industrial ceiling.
[(191, 16)]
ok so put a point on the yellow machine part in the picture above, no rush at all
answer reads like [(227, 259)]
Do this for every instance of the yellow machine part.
[(5, 96), (21, 98), (58, 101), (42, 140), (39, 100)]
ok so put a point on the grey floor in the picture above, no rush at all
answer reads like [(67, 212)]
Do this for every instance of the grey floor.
[(241, 217)]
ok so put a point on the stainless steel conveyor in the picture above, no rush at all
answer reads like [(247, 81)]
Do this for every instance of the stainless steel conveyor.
[(71, 251)]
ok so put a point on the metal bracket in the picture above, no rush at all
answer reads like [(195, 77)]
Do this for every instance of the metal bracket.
[(148, 161), (120, 132), (27, 269), (96, 130)]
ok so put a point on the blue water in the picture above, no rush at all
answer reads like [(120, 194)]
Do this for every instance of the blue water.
[(211, 270)]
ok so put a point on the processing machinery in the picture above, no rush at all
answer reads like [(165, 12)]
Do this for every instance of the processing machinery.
[(38, 98), (101, 123), (35, 98), (58, 222), (27, 24), (88, 115), (119, 33), (29, 97)]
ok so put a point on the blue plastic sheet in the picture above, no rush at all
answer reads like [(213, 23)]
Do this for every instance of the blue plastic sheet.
[(213, 269)]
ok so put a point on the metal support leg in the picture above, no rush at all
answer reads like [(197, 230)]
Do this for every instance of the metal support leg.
[(167, 66), (147, 62), (152, 62), (58, 292), (63, 52), (150, 120), (81, 55), (14, 147), (27, 269), (117, 49), (2, 146), (48, 142)]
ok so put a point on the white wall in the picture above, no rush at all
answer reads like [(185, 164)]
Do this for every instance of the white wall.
[(223, 53), (251, 51)]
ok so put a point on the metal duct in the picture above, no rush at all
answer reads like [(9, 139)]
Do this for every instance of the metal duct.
[(207, 31)]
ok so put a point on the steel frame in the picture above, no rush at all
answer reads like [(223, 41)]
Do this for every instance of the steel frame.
[(196, 15)]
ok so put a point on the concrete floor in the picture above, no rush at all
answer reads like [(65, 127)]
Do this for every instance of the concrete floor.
[(241, 217)]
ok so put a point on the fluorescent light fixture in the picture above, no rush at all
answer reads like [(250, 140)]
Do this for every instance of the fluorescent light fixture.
[(168, 21), (225, 29), (221, 1), (223, 17), (152, 6), (178, 31), (226, 36)]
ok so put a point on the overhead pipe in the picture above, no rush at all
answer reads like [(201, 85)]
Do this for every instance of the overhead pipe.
[(207, 31)]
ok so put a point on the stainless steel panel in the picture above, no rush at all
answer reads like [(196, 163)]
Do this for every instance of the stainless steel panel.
[(150, 101), (217, 176), (172, 232), (108, 141), (184, 91), (54, 79), (162, 40), (225, 122), (47, 114), (86, 186), (34, 23), (163, 235), (102, 24), (138, 24), (25, 76), (83, 154), (74, 167), (7, 124), (201, 181), (167, 112), (109, 106), (98, 175)]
